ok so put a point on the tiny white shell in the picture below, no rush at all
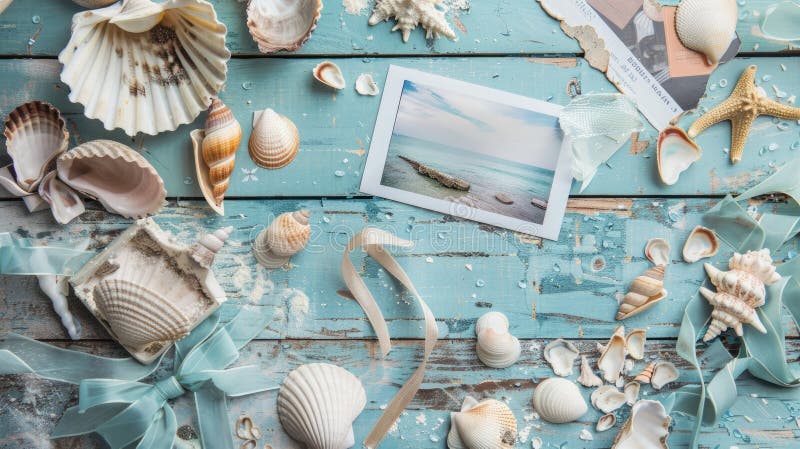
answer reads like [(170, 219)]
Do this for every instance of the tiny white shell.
[(561, 355), (646, 428), (608, 398), (707, 26), (701, 243), (675, 153), (558, 401), (328, 73), (612, 360), (657, 251), (606, 422), (587, 377), (365, 85), (663, 373), (634, 343)]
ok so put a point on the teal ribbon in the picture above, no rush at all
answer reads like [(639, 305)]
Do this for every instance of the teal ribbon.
[(762, 355), (129, 414), (22, 257)]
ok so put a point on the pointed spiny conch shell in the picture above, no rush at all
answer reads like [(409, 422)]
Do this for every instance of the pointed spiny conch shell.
[(35, 136), (646, 374), (612, 360), (606, 422), (587, 377), (634, 343), (144, 66), (115, 175), (496, 347), (274, 141), (365, 85), (215, 153), (561, 355), (318, 403), (607, 398), (558, 401), (663, 373), (489, 424), (282, 25), (206, 248), (409, 13), (65, 203), (739, 292), (701, 243), (91, 4), (675, 153), (707, 26), (647, 427), (283, 238), (631, 391), (329, 74), (657, 251)]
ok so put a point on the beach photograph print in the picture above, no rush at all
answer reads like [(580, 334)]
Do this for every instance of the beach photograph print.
[(449, 145)]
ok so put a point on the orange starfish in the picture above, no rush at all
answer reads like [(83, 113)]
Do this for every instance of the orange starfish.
[(743, 106)]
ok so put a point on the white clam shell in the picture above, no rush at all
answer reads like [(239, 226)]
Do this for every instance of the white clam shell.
[(634, 343), (318, 403), (612, 360), (65, 203), (558, 400), (663, 373), (657, 251), (587, 377), (285, 236), (497, 349), (606, 422), (608, 398), (115, 175), (701, 243), (282, 24), (646, 428), (561, 355), (274, 141), (675, 153), (631, 391), (707, 26), (489, 424), (329, 74), (365, 85), (492, 320), (143, 66)]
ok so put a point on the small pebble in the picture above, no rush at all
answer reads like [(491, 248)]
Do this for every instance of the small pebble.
[(522, 284), (586, 435), (480, 283), (338, 173), (429, 259), (36, 19)]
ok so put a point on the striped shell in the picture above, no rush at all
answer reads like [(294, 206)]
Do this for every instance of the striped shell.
[(646, 374), (282, 24), (65, 203), (143, 66), (318, 403), (283, 238), (139, 317), (215, 153), (645, 291), (115, 175), (558, 401), (707, 26), (35, 136), (274, 140), (489, 424)]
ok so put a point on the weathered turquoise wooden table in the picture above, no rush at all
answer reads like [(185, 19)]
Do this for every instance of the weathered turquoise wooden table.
[(548, 289)]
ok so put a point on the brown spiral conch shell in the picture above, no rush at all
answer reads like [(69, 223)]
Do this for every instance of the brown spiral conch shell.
[(739, 291), (284, 237), (648, 289), (215, 153), (274, 141)]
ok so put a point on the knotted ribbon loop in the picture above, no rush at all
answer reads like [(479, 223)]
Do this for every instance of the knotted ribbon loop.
[(169, 388), (372, 241)]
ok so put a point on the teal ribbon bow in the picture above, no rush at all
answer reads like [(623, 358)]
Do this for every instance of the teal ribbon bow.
[(763, 355), (135, 415)]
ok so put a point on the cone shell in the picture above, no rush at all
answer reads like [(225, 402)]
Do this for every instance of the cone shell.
[(707, 26), (645, 291), (283, 238), (35, 136), (558, 401), (216, 156), (676, 152), (282, 24), (646, 428), (115, 175), (318, 403), (65, 203), (701, 243), (497, 349), (205, 250), (634, 343), (274, 140), (663, 373), (330, 75), (612, 360), (561, 355), (646, 374), (143, 66), (607, 398), (489, 424)]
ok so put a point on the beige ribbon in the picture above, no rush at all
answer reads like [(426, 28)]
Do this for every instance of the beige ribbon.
[(372, 241)]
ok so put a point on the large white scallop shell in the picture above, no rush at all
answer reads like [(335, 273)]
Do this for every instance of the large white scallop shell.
[(489, 424), (561, 355), (707, 26), (282, 24), (318, 403), (558, 400), (274, 141), (144, 66), (65, 203), (283, 238), (646, 428), (115, 175)]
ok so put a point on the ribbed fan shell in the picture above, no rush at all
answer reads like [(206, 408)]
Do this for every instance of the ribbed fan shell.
[(282, 24), (707, 26), (559, 401), (274, 141), (488, 425)]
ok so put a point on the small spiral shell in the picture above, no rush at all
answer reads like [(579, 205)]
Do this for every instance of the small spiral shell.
[(284, 237), (274, 141), (222, 137), (645, 291)]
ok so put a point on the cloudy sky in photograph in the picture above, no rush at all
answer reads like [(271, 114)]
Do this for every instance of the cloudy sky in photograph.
[(460, 120)]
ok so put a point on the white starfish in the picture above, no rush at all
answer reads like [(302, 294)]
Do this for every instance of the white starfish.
[(249, 175), (409, 13)]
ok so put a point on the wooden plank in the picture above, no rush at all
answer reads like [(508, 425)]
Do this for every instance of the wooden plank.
[(336, 128), (548, 289), (507, 27), (29, 407)]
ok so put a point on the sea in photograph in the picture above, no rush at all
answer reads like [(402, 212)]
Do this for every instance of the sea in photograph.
[(487, 176)]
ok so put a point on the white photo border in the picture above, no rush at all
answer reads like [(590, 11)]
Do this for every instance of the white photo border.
[(382, 135)]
